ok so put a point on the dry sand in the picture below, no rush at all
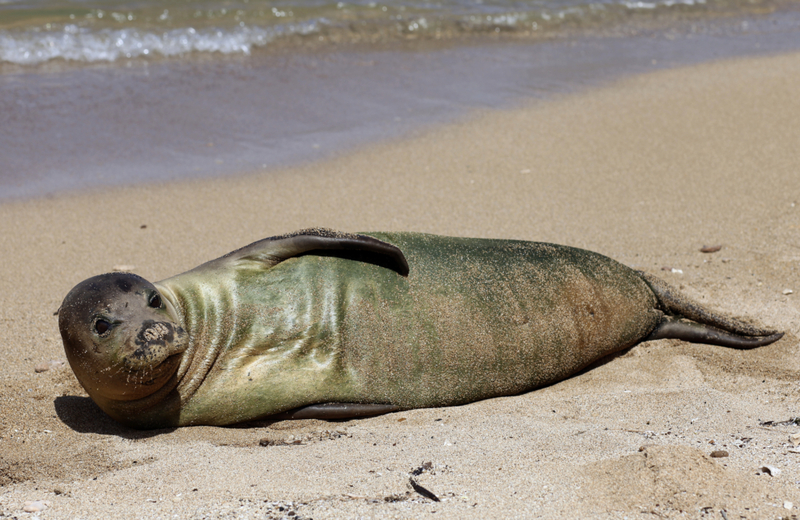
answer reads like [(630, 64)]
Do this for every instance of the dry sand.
[(647, 171)]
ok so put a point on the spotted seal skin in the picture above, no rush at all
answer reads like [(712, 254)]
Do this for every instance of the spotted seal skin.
[(332, 325)]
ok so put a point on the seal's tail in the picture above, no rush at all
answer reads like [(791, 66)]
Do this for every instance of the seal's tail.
[(688, 321)]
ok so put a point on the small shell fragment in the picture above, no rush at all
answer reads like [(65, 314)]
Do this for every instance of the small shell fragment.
[(123, 268), (710, 249), (787, 291), (795, 439), (787, 505), (34, 506), (48, 365), (771, 470)]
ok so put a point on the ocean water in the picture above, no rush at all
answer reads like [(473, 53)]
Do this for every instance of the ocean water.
[(102, 93), (38, 31)]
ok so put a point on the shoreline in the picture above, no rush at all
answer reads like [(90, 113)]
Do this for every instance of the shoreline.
[(108, 126), (645, 169)]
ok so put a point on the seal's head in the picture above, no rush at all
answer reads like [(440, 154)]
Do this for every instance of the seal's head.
[(121, 338)]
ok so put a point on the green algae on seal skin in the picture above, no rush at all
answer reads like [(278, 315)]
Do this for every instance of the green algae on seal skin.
[(333, 325)]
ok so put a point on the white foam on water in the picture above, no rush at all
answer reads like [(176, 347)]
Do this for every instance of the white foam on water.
[(662, 3), (131, 33), (80, 44)]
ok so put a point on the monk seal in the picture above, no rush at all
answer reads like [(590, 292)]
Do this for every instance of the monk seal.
[(336, 325)]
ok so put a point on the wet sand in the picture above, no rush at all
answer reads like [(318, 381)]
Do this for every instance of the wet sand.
[(646, 170)]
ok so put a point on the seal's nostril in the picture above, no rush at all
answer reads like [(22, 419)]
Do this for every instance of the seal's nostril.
[(156, 332)]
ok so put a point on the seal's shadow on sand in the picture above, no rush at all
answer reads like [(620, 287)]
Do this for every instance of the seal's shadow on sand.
[(84, 416)]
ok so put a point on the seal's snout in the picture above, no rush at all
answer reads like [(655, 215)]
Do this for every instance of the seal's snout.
[(155, 342)]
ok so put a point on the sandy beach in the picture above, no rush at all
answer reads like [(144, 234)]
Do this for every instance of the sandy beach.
[(646, 170)]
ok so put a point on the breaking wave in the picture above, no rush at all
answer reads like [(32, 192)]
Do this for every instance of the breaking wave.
[(81, 44)]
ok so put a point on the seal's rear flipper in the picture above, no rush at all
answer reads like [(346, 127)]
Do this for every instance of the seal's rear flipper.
[(336, 411), (672, 328), (269, 252), (677, 305)]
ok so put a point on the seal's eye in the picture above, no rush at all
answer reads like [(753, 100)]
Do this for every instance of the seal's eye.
[(155, 301), (101, 326)]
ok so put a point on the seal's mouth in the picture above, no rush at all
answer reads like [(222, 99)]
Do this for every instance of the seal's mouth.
[(152, 375), (147, 357)]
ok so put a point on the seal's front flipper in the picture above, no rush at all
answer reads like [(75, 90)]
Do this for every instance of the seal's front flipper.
[(322, 242), (336, 411), (673, 328)]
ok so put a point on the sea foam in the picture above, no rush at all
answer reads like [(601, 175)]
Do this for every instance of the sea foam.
[(80, 44)]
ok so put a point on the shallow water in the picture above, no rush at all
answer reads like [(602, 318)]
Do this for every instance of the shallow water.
[(37, 31)]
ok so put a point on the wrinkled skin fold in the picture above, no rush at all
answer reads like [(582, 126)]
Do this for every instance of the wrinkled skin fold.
[(402, 319)]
